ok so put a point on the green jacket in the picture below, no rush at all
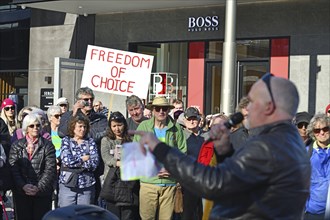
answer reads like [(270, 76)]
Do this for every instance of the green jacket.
[(174, 137)]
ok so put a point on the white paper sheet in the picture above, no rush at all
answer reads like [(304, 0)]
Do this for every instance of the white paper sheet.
[(135, 165)]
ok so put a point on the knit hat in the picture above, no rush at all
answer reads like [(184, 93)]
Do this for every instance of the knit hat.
[(327, 109), (7, 102)]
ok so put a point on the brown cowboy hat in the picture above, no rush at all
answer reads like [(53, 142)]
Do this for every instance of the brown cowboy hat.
[(159, 101)]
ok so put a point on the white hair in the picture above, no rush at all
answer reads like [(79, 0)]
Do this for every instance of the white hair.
[(53, 110), (29, 120)]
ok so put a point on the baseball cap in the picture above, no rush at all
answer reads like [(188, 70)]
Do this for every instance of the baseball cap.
[(191, 112), (62, 100), (303, 117)]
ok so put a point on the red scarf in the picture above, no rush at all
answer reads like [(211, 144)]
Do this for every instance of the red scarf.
[(31, 144)]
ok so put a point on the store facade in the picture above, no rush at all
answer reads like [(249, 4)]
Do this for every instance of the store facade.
[(284, 38), (287, 38)]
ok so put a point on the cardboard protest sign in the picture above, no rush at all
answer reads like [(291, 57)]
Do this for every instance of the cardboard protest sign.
[(117, 72)]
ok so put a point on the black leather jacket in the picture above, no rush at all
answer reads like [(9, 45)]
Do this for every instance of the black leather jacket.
[(267, 178), (40, 171)]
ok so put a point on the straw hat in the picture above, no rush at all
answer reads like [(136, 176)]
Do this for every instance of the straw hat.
[(159, 101)]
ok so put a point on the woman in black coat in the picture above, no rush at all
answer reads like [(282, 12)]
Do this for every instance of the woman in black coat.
[(33, 166)]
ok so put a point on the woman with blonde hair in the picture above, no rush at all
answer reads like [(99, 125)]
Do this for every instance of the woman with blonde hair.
[(8, 114)]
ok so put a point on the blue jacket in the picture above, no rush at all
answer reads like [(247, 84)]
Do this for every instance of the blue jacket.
[(320, 179)]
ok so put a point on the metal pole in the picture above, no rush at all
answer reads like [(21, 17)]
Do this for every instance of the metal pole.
[(57, 78), (229, 57)]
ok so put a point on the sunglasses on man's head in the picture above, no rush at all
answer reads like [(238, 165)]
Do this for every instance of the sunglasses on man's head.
[(266, 79), (158, 108), (318, 130), (11, 108), (34, 125)]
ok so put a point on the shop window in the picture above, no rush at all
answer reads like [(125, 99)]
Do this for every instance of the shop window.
[(170, 59), (246, 49)]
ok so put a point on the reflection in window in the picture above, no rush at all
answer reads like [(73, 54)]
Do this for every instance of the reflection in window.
[(169, 58), (245, 49)]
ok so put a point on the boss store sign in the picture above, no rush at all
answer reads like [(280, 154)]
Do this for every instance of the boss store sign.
[(207, 23)]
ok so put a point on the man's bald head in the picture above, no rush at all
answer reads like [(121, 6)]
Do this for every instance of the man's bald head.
[(285, 94), (263, 109)]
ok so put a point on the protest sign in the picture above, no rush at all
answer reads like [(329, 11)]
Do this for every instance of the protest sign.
[(117, 72)]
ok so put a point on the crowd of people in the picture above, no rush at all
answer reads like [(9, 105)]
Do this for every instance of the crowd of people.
[(275, 164)]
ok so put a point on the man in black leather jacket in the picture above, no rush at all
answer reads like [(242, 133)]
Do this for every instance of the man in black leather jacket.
[(268, 178)]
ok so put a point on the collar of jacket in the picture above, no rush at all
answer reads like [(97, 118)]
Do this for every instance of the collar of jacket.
[(265, 128)]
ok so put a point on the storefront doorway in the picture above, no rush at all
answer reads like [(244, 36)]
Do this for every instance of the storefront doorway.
[(247, 74)]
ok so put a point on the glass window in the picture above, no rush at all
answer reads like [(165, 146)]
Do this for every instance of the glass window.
[(252, 49), (214, 50), (246, 49), (170, 68)]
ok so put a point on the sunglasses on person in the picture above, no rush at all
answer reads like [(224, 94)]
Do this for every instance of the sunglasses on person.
[(158, 108), (329, 111), (9, 108), (266, 79), (318, 130), (193, 118), (63, 105), (302, 124), (88, 99), (34, 125), (57, 116), (24, 114), (116, 117)]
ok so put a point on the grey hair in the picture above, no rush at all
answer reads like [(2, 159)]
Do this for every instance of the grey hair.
[(84, 91), (318, 118), (41, 114), (286, 95), (29, 120), (133, 100), (243, 103), (53, 110)]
